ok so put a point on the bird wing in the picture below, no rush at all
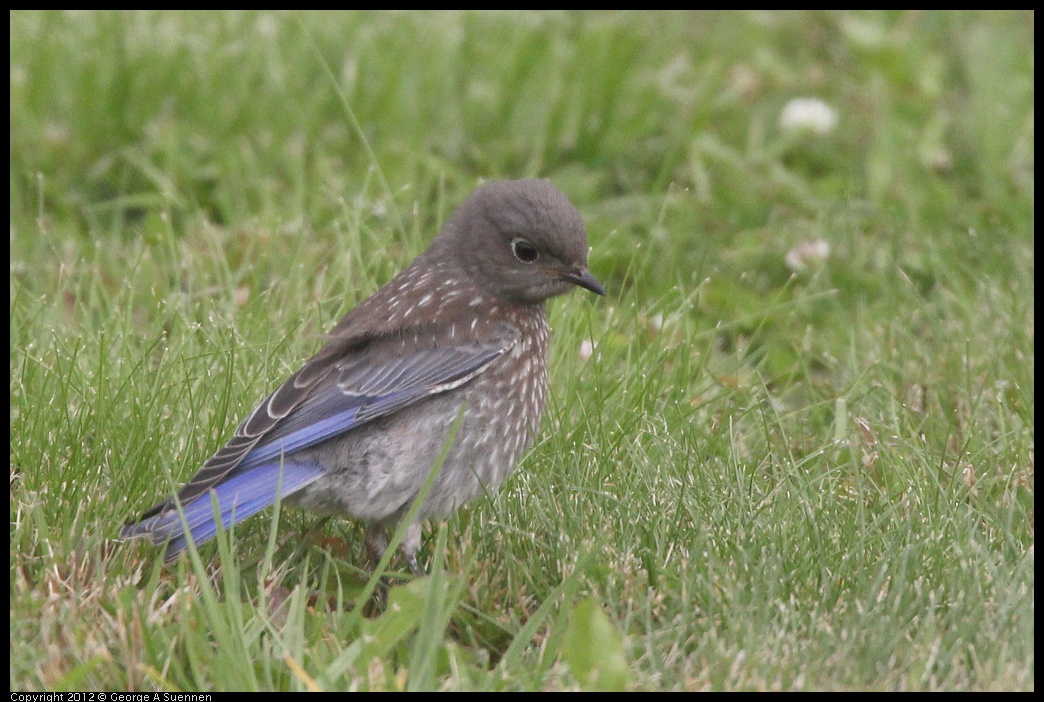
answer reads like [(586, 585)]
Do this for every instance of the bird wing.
[(336, 391), (362, 391)]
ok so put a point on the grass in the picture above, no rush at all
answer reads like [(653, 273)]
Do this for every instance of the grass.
[(767, 475)]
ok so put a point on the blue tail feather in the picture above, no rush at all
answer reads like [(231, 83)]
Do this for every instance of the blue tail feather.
[(241, 496)]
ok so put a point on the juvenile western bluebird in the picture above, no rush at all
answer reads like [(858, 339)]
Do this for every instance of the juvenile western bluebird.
[(357, 430)]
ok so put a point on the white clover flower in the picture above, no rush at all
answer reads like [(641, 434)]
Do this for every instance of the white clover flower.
[(587, 348), (810, 115), (807, 254)]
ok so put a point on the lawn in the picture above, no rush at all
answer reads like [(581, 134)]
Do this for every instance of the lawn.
[(791, 449)]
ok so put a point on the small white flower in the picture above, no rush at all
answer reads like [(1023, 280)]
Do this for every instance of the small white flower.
[(267, 26), (808, 115), (587, 348), (806, 254)]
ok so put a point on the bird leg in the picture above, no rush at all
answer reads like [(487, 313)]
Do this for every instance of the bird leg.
[(376, 540), (410, 545)]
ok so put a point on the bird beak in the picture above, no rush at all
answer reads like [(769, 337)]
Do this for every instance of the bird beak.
[(584, 279)]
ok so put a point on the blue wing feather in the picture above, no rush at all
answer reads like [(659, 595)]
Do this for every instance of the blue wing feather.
[(309, 435), (339, 407)]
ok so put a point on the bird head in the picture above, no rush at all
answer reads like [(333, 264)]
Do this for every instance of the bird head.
[(522, 240)]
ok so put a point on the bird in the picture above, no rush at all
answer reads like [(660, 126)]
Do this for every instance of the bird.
[(457, 341)]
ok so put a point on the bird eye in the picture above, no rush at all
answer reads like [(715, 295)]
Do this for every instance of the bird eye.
[(523, 250)]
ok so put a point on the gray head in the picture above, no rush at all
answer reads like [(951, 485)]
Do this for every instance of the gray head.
[(520, 239)]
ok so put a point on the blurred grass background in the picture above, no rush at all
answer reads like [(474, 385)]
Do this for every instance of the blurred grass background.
[(792, 450)]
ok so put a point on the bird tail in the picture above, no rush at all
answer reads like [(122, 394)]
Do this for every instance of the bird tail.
[(233, 500)]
